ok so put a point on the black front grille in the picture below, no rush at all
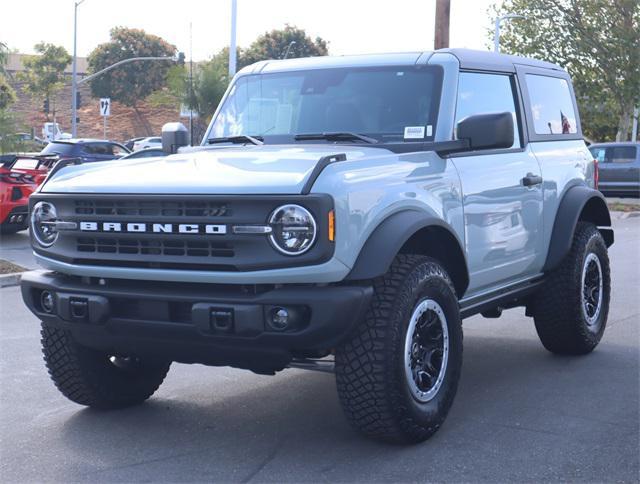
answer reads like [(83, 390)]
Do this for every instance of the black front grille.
[(172, 249), (154, 246), (152, 208)]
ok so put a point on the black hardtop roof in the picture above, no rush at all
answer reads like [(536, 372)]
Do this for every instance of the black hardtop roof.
[(485, 60)]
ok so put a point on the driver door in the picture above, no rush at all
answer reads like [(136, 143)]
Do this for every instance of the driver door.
[(502, 217)]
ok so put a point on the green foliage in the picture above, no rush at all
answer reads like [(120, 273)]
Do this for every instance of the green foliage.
[(210, 84), (4, 55), (211, 78), (8, 142), (597, 41), (274, 44), (43, 73), (7, 94), (135, 81)]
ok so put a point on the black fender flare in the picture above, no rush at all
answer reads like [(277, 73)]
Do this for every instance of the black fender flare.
[(578, 203), (390, 236)]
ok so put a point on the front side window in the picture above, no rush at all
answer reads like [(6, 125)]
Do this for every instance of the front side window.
[(480, 93), (551, 105), (377, 102), (117, 150)]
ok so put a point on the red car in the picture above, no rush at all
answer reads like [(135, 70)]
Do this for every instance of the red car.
[(15, 188), (37, 167)]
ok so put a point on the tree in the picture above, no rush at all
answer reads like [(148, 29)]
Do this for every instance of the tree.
[(212, 78), (7, 94), (132, 82), (274, 45), (596, 41), (43, 73)]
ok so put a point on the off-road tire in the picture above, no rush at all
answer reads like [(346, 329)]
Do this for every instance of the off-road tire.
[(88, 377), (372, 386), (557, 307)]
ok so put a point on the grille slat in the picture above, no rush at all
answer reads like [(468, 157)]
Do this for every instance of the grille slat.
[(154, 247), (153, 208)]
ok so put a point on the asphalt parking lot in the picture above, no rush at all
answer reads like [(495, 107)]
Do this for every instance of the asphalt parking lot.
[(521, 414)]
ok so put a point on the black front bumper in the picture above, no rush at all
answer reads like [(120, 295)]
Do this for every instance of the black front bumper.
[(198, 323)]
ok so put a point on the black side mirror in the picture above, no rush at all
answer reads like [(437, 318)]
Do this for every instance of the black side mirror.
[(487, 131), (174, 135)]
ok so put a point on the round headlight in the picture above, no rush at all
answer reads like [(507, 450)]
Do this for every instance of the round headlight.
[(293, 229), (43, 217)]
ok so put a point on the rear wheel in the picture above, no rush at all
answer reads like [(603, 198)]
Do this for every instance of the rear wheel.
[(570, 310), (398, 374), (97, 379)]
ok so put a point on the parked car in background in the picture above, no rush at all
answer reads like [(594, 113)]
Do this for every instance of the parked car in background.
[(85, 149), (146, 153), (619, 167), (151, 142), (35, 166), (15, 189), (129, 143)]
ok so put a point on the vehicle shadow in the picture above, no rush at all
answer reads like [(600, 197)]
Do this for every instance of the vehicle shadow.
[(291, 427)]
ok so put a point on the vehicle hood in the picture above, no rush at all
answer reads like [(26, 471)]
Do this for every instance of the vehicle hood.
[(265, 169)]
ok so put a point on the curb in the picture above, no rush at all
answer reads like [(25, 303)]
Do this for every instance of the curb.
[(8, 280)]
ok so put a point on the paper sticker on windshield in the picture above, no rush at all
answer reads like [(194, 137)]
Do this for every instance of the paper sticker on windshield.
[(414, 132)]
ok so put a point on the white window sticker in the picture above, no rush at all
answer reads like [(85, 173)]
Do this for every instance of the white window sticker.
[(414, 132), (429, 130)]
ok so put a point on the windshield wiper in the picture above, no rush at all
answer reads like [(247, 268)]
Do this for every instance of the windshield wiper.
[(337, 136), (241, 138)]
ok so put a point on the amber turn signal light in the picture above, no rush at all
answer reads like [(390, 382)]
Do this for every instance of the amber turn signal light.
[(332, 225)]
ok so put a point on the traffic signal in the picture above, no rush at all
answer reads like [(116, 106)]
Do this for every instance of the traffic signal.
[(78, 99), (45, 106)]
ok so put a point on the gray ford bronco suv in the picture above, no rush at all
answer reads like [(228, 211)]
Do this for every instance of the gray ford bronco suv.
[(342, 214)]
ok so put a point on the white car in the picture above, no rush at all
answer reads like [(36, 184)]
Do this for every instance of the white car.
[(151, 142)]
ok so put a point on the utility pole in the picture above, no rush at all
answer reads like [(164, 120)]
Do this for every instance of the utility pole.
[(634, 129), (191, 83), (74, 82), (443, 13), (232, 44), (496, 30)]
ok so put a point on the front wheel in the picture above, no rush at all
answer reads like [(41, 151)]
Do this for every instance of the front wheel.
[(398, 374), (97, 379), (570, 310)]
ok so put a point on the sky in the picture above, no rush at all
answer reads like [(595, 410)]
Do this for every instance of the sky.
[(350, 26)]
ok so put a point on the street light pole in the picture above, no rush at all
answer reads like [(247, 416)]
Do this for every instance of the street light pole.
[(232, 46), (496, 31), (74, 83), (125, 61)]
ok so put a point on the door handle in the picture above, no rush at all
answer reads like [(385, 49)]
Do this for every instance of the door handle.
[(531, 180)]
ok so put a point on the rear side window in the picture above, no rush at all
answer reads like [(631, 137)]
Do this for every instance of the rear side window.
[(551, 105), (55, 148), (614, 154), (622, 154), (480, 93)]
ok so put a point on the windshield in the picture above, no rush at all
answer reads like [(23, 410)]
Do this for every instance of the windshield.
[(385, 103)]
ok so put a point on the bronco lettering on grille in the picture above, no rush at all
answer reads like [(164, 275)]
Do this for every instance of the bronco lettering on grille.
[(162, 228)]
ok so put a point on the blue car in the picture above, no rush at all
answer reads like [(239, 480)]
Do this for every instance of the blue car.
[(86, 149)]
